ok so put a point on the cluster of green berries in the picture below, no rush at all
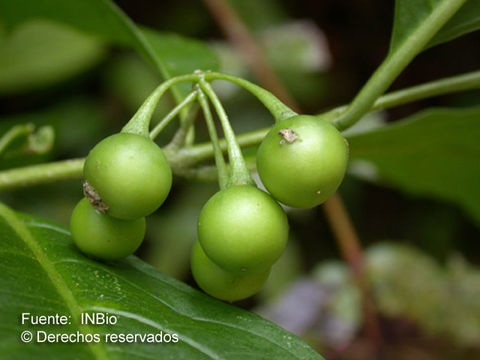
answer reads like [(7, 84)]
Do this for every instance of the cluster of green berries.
[(242, 230), (127, 177)]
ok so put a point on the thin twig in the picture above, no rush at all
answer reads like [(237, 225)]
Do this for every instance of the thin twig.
[(350, 246), (240, 37)]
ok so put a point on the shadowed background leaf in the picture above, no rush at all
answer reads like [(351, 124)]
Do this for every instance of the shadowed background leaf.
[(433, 153)]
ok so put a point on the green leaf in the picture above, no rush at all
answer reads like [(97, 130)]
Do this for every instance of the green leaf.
[(44, 274), (26, 140), (259, 15), (466, 20), (25, 143), (434, 153), (181, 55), (15, 137), (39, 53), (104, 19), (71, 128), (416, 23), (409, 16)]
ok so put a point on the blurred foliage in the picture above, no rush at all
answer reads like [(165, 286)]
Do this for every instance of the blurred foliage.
[(298, 51), (77, 124), (54, 128), (26, 140), (80, 113), (179, 223), (170, 54), (39, 53), (466, 20), (343, 308), (259, 15), (284, 271), (442, 300), (129, 81), (181, 55), (433, 153)]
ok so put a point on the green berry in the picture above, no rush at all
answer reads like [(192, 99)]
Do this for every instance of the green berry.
[(103, 237), (242, 229), (127, 176), (223, 284), (302, 161)]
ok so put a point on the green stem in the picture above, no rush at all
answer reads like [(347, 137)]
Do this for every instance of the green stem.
[(182, 134), (278, 109), (239, 174), (14, 133), (219, 160), (140, 122), (207, 173), (41, 174), (190, 138), (189, 156), (204, 151), (396, 62), (448, 85), (171, 115), (444, 86)]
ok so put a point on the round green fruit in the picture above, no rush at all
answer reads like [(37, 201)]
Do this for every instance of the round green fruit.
[(302, 161), (242, 229), (127, 176), (223, 284), (103, 237)]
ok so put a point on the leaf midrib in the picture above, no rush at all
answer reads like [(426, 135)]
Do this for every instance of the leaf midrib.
[(212, 321), (192, 317), (146, 46), (23, 228), (23, 233), (180, 313)]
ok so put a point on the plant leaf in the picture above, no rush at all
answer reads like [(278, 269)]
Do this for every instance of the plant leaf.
[(24, 139), (181, 55), (40, 53), (409, 16), (15, 137), (434, 153), (466, 20), (44, 274), (105, 19)]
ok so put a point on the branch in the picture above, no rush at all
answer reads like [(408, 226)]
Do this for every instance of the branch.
[(396, 62), (188, 156), (41, 174)]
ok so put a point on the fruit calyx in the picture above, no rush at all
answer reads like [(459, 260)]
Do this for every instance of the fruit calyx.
[(288, 136), (94, 197)]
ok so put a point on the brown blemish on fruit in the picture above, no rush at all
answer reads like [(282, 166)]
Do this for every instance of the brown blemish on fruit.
[(348, 147), (94, 198), (288, 135)]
